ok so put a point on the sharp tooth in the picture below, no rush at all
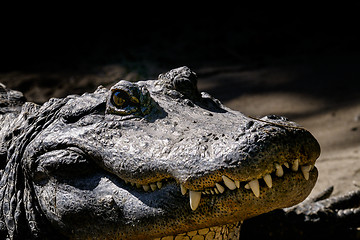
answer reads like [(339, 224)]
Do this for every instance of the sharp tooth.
[(254, 185), (295, 165), (212, 191), (220, 188), (153, 186), (183, 189), (146, 188), (216, 191), (159, 185), (268, 180), (138, 185), (194, 199), (237, 183), (247, 186), (229, 183), (305, 170), (207, 191), (286, 164), (279, 170)]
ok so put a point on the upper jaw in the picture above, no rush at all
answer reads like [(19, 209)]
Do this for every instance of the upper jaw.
[(255, 172)]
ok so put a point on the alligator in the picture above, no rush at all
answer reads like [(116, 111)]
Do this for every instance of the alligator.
[(157, 159)]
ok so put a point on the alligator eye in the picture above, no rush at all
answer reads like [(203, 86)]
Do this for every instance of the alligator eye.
[(120, 99), (126, 98)]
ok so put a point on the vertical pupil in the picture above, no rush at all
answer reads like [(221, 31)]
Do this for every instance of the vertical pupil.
[(120, 98)]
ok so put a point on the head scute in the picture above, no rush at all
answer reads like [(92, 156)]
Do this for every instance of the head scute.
[(183, 80)]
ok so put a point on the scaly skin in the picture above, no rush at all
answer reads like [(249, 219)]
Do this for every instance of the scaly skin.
[(146, 160)]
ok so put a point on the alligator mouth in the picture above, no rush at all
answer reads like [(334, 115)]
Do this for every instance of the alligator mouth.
[(231, 184)]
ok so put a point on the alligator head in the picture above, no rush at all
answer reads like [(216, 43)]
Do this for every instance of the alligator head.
[(147, 160)]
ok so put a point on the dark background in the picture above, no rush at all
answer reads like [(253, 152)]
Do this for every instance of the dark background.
[(55, 55)]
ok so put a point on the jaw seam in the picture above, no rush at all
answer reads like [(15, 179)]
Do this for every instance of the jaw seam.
[(230, 184)]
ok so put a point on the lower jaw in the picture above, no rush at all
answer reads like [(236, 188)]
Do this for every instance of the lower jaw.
[(225, 232), (228, 210), (216, 215)]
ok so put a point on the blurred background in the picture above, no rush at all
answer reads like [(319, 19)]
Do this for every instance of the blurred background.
[(300, 61)]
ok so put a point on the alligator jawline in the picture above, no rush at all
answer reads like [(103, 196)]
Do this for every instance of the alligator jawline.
[(228, 184)]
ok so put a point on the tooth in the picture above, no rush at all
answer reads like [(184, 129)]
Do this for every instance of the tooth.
[(237, 183), (183, 189), (295, 165), (207, 191), (254, 185), (279, 170), (268, 180), (212, 191), (138, 185), (286, 164), (247, 186), (305, 170), (153, 186), (159, 185), (146, 188), (220, 188), (216, 191), (229, 183), (194, 199)]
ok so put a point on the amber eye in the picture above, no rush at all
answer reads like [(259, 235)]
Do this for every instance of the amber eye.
[(120, 99)]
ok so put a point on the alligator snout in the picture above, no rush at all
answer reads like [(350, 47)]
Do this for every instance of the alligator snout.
[(265, 150), (220, 153)]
